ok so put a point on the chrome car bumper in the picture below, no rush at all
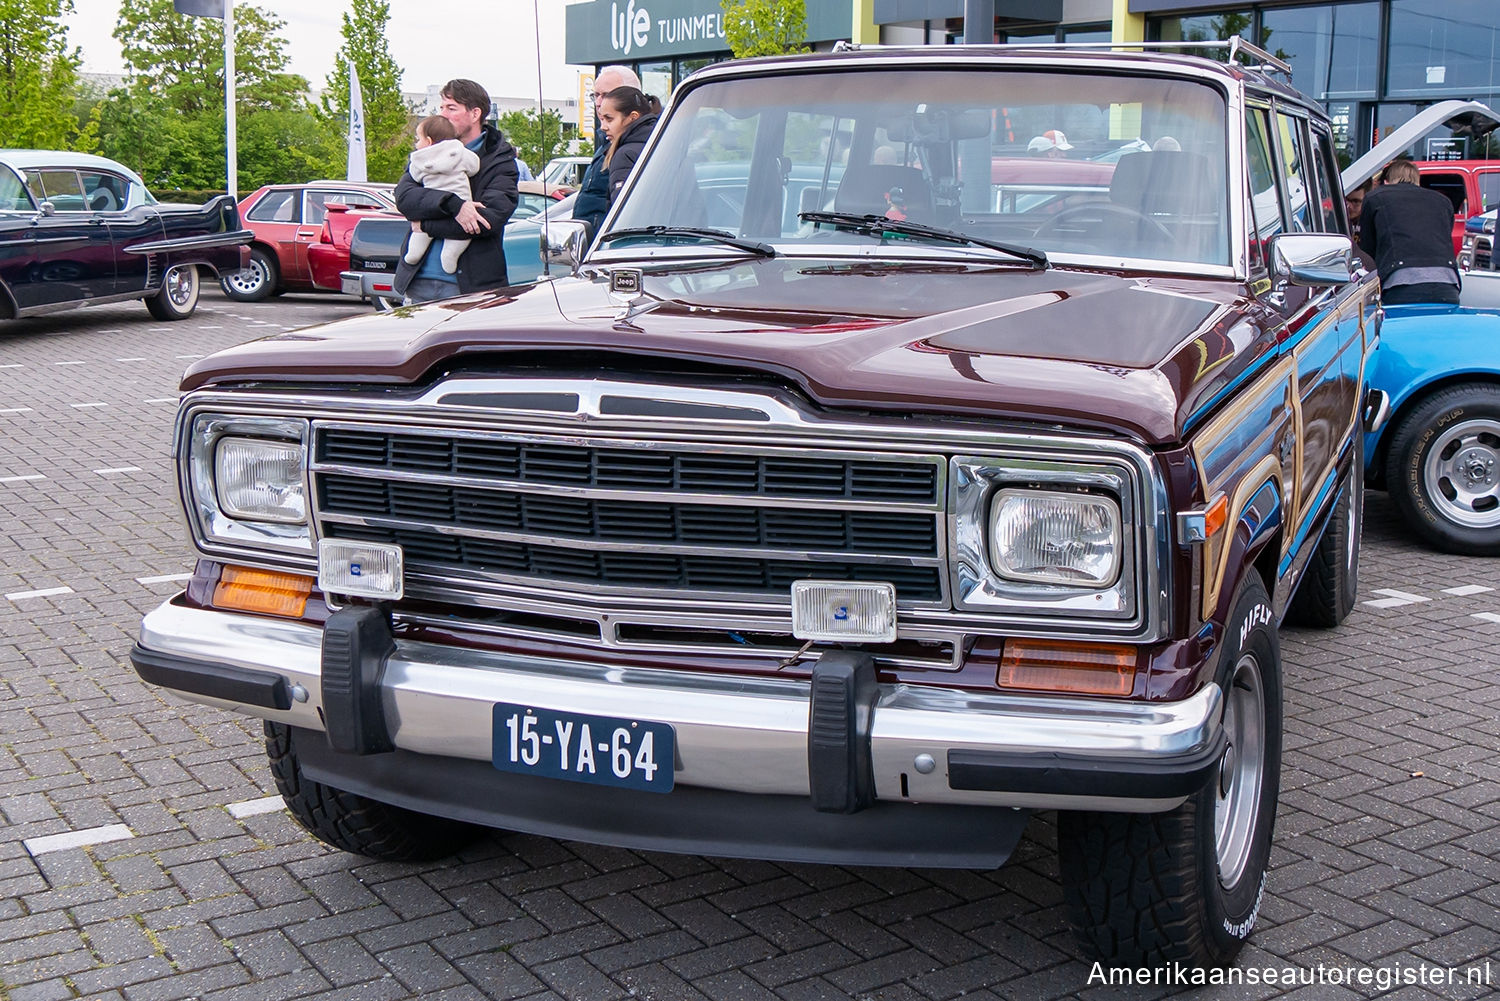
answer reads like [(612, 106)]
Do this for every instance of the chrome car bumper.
[(368, 284), (733, 733)]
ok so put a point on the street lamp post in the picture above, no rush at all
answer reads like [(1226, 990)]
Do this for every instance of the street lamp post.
[(224, 10)]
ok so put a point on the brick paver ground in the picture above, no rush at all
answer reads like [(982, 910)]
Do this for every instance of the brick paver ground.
[(1387, 855)]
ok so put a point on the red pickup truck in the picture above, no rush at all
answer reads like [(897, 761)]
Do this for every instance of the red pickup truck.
[(1473, 186)]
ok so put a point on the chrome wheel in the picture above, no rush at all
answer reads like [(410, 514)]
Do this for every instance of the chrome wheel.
[(1461, 473), (1241, 770), (252, 281), (181, 285)]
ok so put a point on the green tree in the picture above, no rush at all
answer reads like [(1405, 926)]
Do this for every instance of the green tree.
[(388, 133), (537, 136), (38, 75), (179, 60), (765, 27)]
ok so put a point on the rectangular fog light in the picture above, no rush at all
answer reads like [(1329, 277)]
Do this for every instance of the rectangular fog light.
[(840, 612), (360, 569)]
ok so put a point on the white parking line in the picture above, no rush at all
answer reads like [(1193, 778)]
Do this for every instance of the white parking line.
[(255, 807), (210, 328), (13, 366), (85, 406), (1395, 599), (44, 593), (16, 410), (130, 359), (164, 578), (1488, 616), (77, 839), (70, 363), (22, 479), (118, 469), (162, 399), (1467, 589), (186, 357)]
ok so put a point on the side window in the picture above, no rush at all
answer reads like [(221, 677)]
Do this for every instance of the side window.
[(13, 196), (1294, 163), (1489, 189), (1264, 204), (104, 192), (277, 206), (1450, 184), (34, 185), (1330, 214), (313, 204), (63, 190)]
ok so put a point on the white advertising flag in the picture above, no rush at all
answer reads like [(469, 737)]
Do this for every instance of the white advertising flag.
[(356, 128)]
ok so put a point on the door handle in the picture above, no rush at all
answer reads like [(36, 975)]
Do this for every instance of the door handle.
[(307, 234)]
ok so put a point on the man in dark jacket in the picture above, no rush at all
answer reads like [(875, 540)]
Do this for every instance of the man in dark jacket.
[(1408, 229), (444, 215), (592, 201)]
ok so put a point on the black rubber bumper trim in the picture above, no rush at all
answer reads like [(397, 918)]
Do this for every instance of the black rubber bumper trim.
[(216, 681), (688, 819), (357, 642), (1061, 774), (839, 766)]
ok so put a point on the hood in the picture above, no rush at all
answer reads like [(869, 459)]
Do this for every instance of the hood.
[(1129, 356), (1462, 118)]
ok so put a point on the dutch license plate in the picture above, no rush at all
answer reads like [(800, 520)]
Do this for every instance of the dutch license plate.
[(604, 750)]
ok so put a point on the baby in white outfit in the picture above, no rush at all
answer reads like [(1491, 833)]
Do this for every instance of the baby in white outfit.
[(440, 161)]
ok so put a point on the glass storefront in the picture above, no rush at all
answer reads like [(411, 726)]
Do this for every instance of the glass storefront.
[(1447, 49)]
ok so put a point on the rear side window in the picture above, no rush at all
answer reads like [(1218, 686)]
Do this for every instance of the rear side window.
[(1330, 214), (276, 206), (13, 197), (1489, 189), (104, 192), (1294, 166)]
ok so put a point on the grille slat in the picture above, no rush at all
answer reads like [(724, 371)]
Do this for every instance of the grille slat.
[(440, 523)]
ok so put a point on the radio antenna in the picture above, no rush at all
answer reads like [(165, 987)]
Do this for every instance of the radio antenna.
[(541, 131)]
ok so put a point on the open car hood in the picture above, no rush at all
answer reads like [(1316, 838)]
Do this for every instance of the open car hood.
[(1464, 118)]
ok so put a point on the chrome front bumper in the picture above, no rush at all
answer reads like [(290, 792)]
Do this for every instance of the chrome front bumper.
[(733, 733)]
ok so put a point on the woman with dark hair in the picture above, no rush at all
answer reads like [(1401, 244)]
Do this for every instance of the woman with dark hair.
[(626, 116)]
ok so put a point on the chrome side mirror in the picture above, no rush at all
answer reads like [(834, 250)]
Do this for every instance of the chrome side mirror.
[(1315, 260), (47, 209), (564, 242)]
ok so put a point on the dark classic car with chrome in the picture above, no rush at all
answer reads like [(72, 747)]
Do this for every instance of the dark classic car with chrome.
[(849, 534), (79, 230)]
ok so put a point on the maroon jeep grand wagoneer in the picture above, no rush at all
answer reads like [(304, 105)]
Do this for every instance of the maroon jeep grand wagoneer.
[(861, 490)]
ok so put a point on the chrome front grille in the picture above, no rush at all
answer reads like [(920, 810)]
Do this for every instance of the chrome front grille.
[(709, 521)]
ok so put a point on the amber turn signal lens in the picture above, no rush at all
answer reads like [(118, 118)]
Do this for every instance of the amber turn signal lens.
[(1078, 668), (263, 591)]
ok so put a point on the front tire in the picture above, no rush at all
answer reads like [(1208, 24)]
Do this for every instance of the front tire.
[(355, 823), (1185, 886), (253, 284), (178, 296), (1445, 469)]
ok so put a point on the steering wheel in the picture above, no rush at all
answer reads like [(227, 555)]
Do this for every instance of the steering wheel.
[(1105, 211)]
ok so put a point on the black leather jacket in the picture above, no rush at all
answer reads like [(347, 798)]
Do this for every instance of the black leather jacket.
[(1407, 226)]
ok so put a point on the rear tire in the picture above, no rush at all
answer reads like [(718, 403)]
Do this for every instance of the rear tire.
[(1444, 474), (1185, 886), (355, 823), (178, 296), (253, 284), (1326, 594)]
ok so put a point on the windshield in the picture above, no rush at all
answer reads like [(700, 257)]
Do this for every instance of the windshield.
[(1067, 164)]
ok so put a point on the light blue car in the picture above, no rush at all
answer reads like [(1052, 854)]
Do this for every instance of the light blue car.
[(1435, 443)]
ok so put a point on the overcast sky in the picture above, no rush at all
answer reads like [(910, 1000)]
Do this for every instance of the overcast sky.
[(433, 41)]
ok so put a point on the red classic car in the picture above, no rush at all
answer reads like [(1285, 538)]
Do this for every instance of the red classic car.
[(287, 221)]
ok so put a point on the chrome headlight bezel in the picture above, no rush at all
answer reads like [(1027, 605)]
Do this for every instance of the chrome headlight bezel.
[(1111, 507), (216, 530), (979, 587)]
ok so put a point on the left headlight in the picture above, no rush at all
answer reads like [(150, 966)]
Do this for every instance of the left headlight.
[(246, 482), (1049, 537)]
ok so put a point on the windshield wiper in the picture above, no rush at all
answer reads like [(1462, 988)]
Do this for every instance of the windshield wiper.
[(691, 232), (872, 224)]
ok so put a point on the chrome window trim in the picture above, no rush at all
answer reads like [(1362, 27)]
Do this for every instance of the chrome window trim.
[(788, 429)]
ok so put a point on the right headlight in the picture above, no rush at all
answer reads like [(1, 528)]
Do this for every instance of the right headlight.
[(1052, 537), (246, 482)]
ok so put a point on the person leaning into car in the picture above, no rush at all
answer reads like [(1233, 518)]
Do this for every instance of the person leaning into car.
[(1408, 229), (444, 215)]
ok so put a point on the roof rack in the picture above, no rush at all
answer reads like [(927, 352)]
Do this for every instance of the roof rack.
[(1235, 46)]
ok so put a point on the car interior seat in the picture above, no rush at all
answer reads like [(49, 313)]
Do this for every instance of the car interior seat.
[(864, 190), (1178, 189)]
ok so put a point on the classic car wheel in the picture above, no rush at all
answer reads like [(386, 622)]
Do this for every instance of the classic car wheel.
[(253, 284), (1186, 885), (1445, 469), (354, 823), (178, 296), (1325, 597)]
